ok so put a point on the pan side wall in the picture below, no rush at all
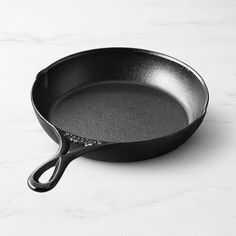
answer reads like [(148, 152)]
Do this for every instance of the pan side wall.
[(145, 150), (120, 64), (133, 151)]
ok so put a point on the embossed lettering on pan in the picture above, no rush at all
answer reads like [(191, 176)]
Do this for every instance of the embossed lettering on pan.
[(115, 104)]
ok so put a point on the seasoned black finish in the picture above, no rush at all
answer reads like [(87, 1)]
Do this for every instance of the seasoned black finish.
[(119, 112), (116, 104)]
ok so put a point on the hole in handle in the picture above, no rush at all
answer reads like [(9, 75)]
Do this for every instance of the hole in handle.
[(58, 164), (47, 175)]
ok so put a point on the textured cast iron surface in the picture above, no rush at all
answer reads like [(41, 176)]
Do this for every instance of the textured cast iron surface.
[(119, 112), (115, 104)]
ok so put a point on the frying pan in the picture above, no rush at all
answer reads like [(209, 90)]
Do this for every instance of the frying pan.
[(115, 104)]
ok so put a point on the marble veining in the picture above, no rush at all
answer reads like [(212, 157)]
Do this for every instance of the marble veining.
[(190, 191)]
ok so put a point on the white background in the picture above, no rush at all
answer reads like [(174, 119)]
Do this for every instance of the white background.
[(191, 191)]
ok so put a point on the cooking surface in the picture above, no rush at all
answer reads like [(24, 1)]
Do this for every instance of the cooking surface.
[(188, 192), (119, 112)]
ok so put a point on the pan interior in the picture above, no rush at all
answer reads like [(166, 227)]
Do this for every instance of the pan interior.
[(118, 112)]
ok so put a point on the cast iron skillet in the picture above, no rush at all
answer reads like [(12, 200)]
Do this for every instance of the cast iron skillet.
[(116, 104)]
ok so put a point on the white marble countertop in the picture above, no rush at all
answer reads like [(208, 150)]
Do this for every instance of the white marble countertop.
[(188, 192)]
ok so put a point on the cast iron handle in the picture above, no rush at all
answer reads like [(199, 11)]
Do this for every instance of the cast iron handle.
[(61, 160)]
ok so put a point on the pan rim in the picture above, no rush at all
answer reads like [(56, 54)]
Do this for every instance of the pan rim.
[(96, 50)]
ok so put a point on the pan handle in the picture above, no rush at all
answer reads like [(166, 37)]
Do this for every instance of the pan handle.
[(60, 161)]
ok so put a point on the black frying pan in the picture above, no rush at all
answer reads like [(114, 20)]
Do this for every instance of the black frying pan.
[(116, 104)]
